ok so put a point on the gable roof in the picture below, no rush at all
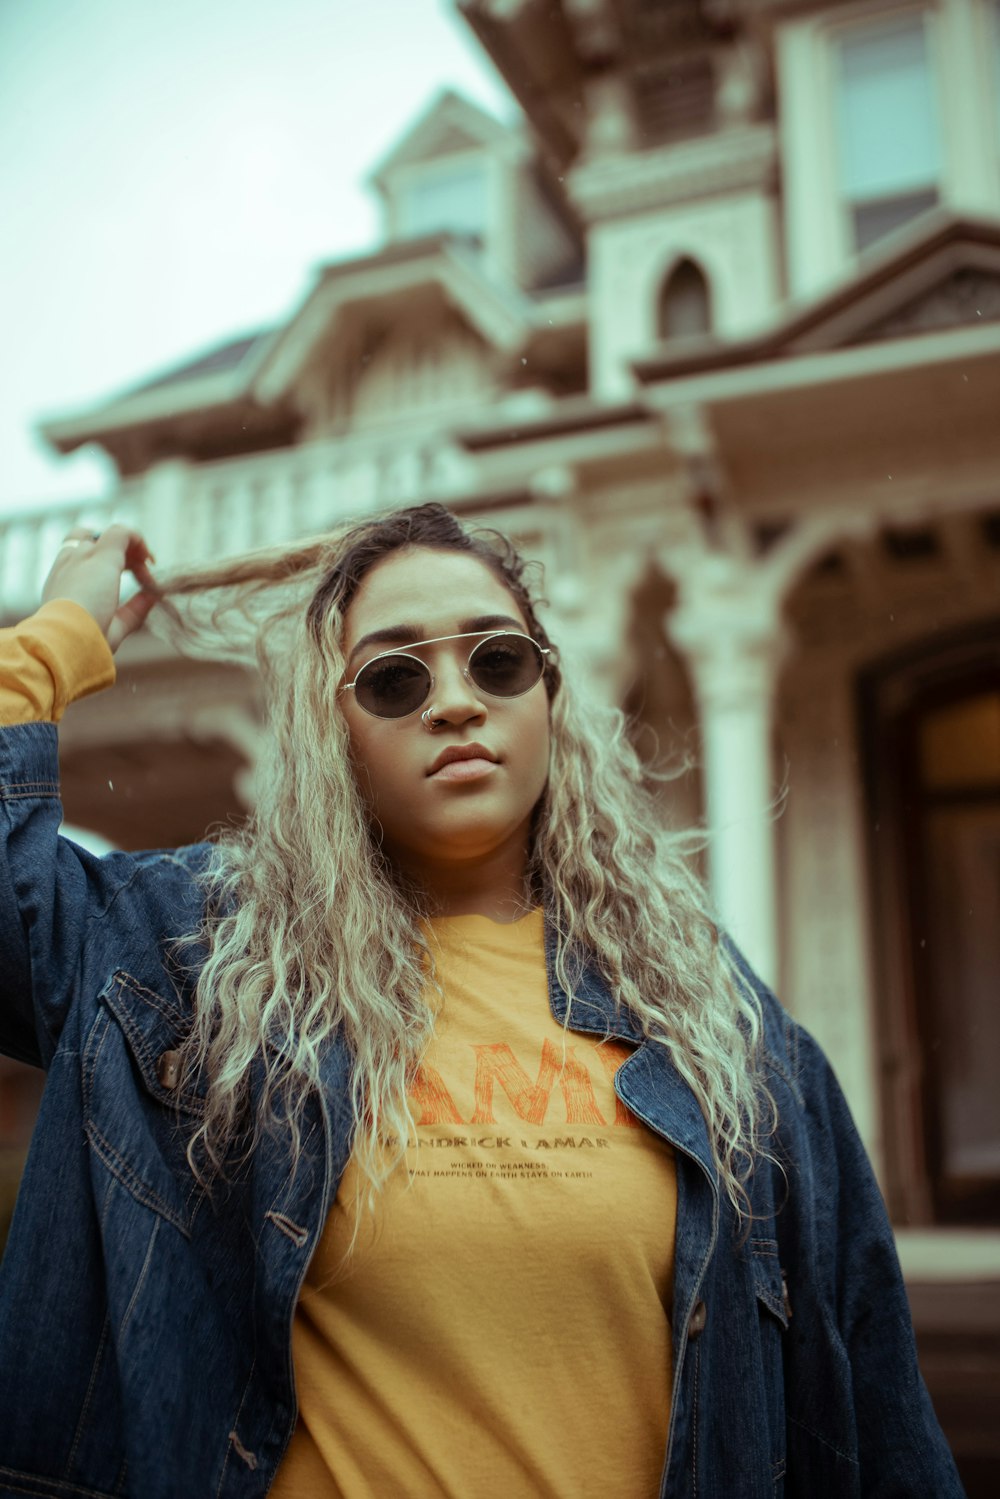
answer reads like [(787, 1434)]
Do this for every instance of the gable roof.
[(261, 368), (448, 262), (213, 361), (217, 377), (451, 123)]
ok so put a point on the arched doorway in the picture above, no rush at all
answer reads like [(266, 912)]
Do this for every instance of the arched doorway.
[(931, 723)]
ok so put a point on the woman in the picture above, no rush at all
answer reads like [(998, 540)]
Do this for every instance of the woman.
[(423, 1137)]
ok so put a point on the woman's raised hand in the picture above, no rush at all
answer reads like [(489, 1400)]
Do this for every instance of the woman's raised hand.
[(88, 570)]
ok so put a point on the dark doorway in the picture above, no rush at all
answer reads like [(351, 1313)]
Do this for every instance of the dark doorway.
[(932, 731)]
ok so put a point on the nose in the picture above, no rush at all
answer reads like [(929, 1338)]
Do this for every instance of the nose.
[(454, 696)]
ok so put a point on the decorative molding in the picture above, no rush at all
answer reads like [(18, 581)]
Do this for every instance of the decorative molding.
[(741, 160), (968, 296), (877, 604), (499, 313)]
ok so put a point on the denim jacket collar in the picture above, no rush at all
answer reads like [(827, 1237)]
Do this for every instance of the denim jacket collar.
[(648, 1082)]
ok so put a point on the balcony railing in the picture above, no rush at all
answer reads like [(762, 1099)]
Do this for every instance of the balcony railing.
[(191, 513)]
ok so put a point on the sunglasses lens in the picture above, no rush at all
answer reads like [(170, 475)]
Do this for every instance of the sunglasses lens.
[(506, 665), (392, 686)]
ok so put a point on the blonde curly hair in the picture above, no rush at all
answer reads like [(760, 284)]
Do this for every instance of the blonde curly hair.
[(310, 931)]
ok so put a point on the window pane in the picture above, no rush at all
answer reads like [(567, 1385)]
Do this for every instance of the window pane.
[(960, 745), (883, 215), (888, 122), (453, 200)]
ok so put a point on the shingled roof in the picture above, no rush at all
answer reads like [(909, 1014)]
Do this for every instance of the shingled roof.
[(222, 357)]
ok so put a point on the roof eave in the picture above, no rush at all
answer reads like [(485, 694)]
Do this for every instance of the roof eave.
[(564, 418), (207, 393)]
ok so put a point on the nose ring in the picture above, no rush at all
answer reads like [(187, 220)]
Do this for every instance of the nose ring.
[(430, 724)]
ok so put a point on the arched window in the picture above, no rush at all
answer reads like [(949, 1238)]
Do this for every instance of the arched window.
[(685, 305)]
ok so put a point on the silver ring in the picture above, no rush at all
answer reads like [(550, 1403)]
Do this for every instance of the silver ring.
[(425, 719)]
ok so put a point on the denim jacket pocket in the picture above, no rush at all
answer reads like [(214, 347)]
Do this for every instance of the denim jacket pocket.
[(774, 1312), (137, 1116)]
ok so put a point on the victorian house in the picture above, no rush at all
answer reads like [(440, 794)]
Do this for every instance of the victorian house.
[(714, 332)]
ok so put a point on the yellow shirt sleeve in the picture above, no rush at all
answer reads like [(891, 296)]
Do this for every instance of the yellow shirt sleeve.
[(49, 660)]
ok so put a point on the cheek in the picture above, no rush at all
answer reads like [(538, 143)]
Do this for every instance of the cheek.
[(379, 760)]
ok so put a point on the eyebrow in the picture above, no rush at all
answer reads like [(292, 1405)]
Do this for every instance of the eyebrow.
[(411, 634)]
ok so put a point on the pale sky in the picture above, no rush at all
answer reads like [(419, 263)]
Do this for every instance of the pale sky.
[(170, 173)]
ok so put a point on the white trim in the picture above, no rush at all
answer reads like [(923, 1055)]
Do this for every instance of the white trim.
[(483, 131), (179, 397), (737, 161), (828, 368)]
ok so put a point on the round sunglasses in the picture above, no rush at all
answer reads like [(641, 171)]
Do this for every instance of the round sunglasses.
[(395, 684)]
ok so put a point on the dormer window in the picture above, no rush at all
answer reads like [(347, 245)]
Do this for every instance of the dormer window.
[(888, 126), (685, 305), (452, 198)]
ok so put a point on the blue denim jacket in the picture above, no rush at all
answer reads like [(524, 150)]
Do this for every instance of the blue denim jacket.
[(145, 1332)]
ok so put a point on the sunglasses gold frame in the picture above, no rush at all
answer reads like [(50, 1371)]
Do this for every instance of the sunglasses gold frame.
[(483, 636)]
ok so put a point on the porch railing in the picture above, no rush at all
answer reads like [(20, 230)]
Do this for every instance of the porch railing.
[(191, 513)]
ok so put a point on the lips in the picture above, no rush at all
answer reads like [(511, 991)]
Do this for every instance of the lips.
[(465, 770), (456, 754)]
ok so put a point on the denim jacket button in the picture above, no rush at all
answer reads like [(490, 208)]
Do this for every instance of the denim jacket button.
[(168, 1069), (699, 1317)]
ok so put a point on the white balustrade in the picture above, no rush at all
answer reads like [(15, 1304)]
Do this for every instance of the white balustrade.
[(192, 513), (30, 540)]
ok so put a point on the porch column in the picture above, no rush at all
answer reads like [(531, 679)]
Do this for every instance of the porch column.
[(729, 629)]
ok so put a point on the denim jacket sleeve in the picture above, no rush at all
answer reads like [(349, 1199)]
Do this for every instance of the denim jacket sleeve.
[(858, 1394), (64, 909), (51, 893)]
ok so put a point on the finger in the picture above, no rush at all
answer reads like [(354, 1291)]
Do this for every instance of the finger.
[(117, 538), (137, 551), (131, 616), (131, 546), (137, 559)]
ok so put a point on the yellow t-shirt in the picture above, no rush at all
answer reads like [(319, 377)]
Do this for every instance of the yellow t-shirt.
[(506, 1331)]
